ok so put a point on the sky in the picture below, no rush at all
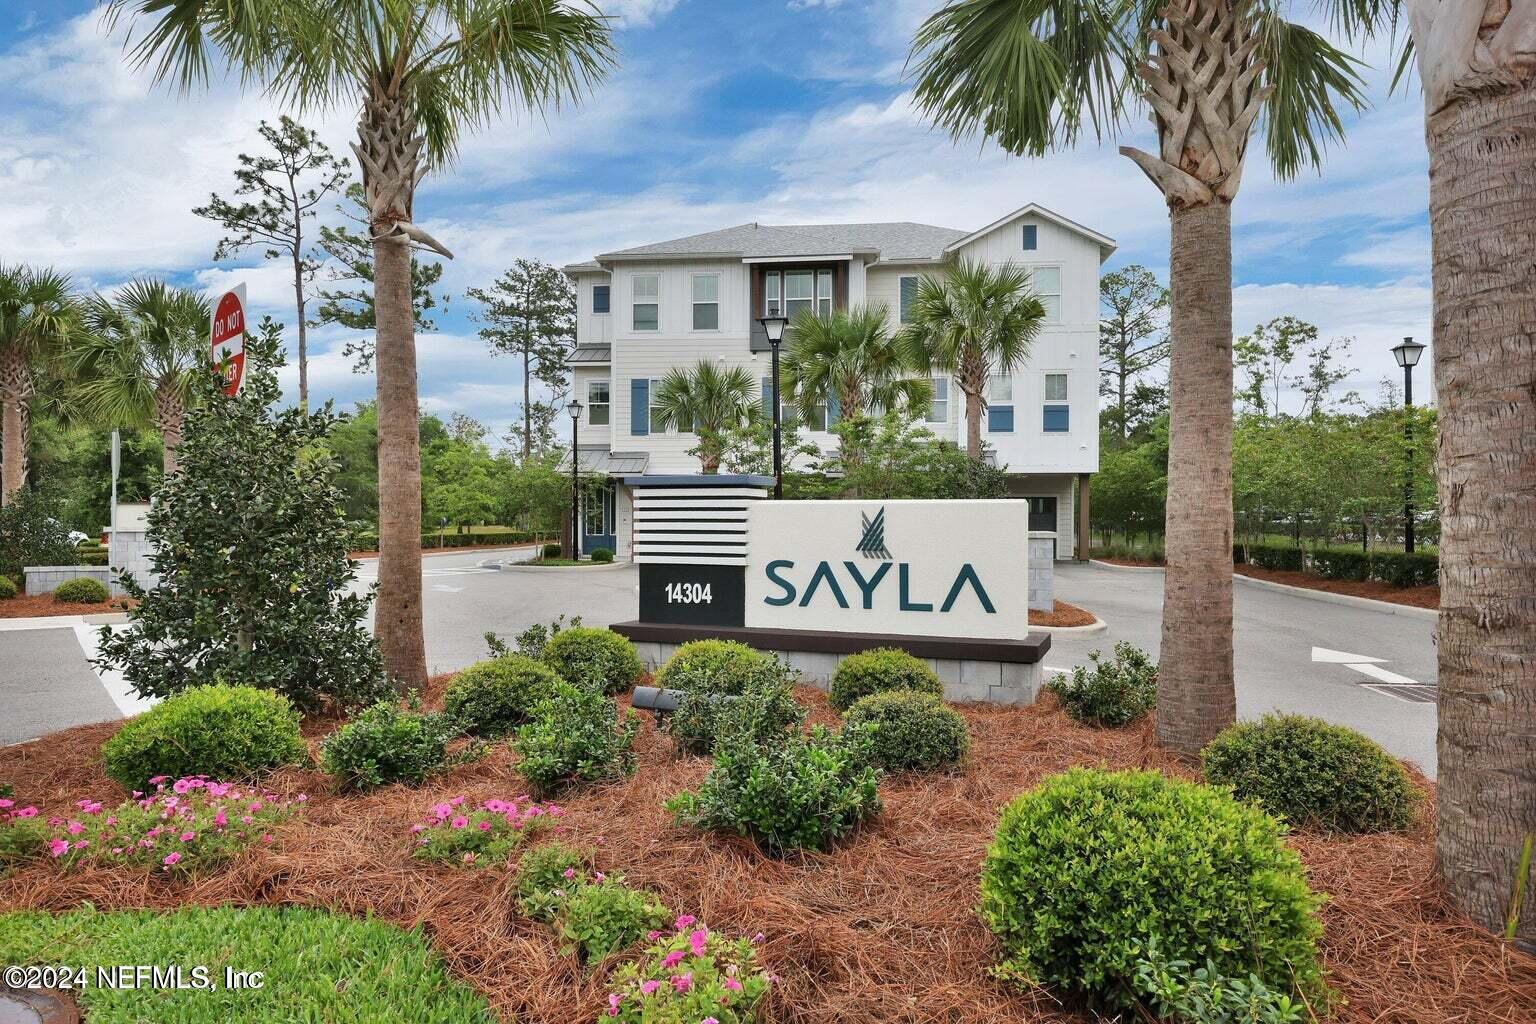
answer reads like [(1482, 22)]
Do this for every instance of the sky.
[(720, 112)]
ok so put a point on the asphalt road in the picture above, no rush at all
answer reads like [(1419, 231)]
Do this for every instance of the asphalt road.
[(45, 685)]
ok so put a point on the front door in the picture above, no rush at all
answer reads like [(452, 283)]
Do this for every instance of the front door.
[(597, 519)]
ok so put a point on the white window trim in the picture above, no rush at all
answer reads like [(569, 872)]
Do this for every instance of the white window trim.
[(1045, 402), (778, 295), (634, 301), (949, 390), (591, 404), (900, 280), (719, 306), (1060, 286), (1012, 398)]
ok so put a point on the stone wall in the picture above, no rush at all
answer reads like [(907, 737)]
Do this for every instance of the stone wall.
[(1042, 570), (44, 579)]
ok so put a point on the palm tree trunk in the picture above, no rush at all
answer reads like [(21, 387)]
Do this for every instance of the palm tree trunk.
[(398, 613), (13, 435), (1195, 698), (1482, 176), (169, 413), (973, 411)]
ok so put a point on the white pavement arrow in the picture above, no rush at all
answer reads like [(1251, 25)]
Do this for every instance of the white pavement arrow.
[(1362, 664), (446, 589)]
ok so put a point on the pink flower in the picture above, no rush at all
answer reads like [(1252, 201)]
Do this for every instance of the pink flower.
[(181, 786), (255, 806), (759, 937), (417, 828), (171, 858), (599, 875), (58, 847), (653, 935), (710, 1020), (27, 812), (117, 849), (456, 801), (460, 821), (613, 1004), (221, 819), (303, 798), (246, 819), (187, 837), (496, 806), (442, 810), (672, 959), (683, 923), (682, 982), (158, 779), (697, 941), (484, 826), (732, 984), (74, 828), (469, 858), (649, 986), (266, 838), (81, 844), (569, 873), (6, 803)]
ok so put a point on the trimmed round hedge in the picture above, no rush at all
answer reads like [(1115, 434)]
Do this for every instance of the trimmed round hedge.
[(710, 666), (1089, 868), (710, 671), (599, 659), (7, 588), (602, 556), (912, 731), (227, 733), (1313, 773), (878, 671), (81, 590), (492, 698)]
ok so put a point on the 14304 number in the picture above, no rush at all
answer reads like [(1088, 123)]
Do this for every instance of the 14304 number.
[(688, 593)]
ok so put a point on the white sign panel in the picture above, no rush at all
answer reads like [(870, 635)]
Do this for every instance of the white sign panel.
[(921, 568)]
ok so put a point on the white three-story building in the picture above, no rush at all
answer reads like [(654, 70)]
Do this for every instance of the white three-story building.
[(645, 310)]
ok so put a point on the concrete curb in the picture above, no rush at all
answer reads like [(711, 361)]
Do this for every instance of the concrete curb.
[(1325, 596), (1098, 626), (592, 567), (1349, 600)]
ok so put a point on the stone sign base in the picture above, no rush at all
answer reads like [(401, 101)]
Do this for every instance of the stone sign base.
[(996, 671)]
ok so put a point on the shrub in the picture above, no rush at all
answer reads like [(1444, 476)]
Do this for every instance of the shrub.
[(606, 916), (1112, 693), (879, 671), (221, 732), (492, 698), (484, 836), (728, 684), (1312, 773), (1206, 996), (546, 873), (181, 827), (7, 588), (574, 738), (910, 731), (1282, 557), (531, 641), (552, 550), (23, 834), (32, 532), (387, 743), (805, 793), (598, 659), (721, 980), (1091, 866), (81, 590), (602, 555), (1420, 569)]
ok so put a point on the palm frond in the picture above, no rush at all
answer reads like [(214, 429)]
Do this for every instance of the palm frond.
[(1311, 78)]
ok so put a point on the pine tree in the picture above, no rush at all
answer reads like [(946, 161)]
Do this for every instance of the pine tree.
[(252, 576)]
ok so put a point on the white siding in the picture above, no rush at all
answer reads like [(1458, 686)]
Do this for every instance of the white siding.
[(590, 435), (592, 328)]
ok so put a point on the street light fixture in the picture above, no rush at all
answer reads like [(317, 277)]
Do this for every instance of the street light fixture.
[(773, 326), (1407, 355), (573, 407)]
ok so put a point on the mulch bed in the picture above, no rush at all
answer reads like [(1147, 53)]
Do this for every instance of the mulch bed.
[(1063, 614), (23, 607), (1416, 597), (878, 931)]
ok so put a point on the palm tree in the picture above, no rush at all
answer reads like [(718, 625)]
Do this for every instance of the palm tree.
[(423, 71), (140, 358), (707, 400), (37, 321), (973, 323), (1035, 75), (1479, 104), (851, 359)]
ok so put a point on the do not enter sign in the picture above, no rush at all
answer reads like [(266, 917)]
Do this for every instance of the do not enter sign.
[(228, 336)]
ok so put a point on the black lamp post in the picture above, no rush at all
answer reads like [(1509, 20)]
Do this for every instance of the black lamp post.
[(574, 408), (1407, 355), (773, 326)]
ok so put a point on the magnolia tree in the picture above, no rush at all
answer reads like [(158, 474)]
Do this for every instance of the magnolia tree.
[(253, 584)]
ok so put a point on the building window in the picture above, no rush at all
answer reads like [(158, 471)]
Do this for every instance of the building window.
[(706, 302), (801, 289), (1000, 404), (1031, 237), (653, 418), (600, 298), (646, 292), (908, 296), (599, 405), (938, 409), (771, 305), (1057, 417), (1045, 282)]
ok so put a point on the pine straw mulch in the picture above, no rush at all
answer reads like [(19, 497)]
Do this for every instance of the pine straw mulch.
[(1062, 614), (37, 605), (1414, 597), (879, 931)]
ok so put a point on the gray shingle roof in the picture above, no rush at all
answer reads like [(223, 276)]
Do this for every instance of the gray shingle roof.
[(893, 242)]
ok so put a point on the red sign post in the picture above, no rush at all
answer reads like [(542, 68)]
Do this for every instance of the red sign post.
[(228, 338)]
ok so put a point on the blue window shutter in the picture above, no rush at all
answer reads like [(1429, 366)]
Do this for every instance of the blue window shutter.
[(1000, 419), (1058, 419), (1031, 236), (766, 397), (639, 407), (834, 411)]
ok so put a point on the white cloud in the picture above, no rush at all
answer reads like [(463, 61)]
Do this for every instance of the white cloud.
[(638, 13)]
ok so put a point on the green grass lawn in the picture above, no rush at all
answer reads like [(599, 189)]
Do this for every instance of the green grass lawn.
[(317, 966)]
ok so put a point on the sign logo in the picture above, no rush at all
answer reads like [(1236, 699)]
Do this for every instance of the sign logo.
[(872, 543)]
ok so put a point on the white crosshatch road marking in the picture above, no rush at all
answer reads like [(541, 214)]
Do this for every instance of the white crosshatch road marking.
[(1388, 683)]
